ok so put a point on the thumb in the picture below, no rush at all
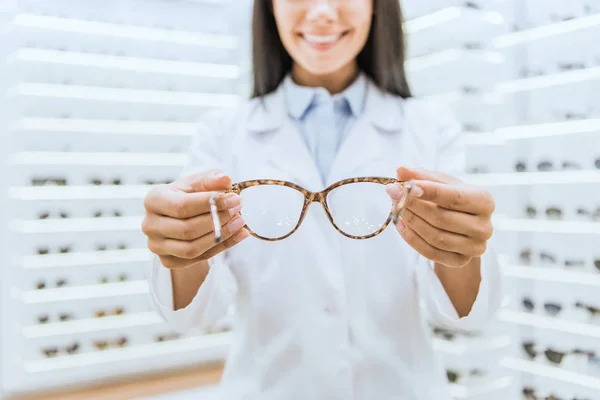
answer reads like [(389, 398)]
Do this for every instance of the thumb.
[(211, 180)]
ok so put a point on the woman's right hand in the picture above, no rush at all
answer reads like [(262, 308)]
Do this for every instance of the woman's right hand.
[(178, 222)]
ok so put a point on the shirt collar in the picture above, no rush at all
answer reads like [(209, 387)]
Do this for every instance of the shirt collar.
[(299, 98)]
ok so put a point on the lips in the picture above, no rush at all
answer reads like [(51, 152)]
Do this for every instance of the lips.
[(322, 39)]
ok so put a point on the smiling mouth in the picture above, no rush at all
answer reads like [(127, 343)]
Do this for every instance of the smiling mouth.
[(323, 41)]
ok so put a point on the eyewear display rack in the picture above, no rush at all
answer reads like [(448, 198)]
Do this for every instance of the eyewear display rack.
[(99, 102), (526, 91)]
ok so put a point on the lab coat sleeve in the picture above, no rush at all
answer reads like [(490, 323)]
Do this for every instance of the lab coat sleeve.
[(214, 297), (451, 159)]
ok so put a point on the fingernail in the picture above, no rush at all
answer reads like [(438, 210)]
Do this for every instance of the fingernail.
[(233, 211), (235, 224), (401, 224), (416, 191), (217, 174), (232, 200), (394, 191), (241, 235)]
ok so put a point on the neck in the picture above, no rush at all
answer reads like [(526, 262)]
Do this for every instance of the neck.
[(334, 82)]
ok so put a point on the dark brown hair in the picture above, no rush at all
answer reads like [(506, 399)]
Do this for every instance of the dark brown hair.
[(382, 58)]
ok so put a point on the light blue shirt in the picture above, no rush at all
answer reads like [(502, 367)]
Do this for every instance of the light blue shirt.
[(324, 120)]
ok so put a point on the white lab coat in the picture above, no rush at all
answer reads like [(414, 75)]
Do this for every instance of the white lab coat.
[(319, 316)]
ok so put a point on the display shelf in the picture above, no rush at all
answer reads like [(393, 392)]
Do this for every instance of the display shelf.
[(550, 31), (39, 57), (471, 346), (85, 259), (104, 127), (483, 389), (92, 325), (106, 290), (74, 225), (548, 371), (46, 158), (534, 178), (120, 31), (214, 346), (534, 131), (546, 226), (549, 323), (454, 16), (551, 274), (82, 192), (122, 95), (458, 55), (546, 81)]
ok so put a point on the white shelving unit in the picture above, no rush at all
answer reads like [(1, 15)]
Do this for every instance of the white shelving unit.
[(100, 102), (522, 79)]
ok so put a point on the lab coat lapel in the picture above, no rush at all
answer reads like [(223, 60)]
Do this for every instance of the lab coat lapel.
[(382, 116), (286, 148)]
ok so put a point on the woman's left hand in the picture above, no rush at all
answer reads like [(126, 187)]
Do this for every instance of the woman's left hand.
[(445, 220)]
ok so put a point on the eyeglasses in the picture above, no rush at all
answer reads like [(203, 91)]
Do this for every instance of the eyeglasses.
[(551, 212), (48, 214), (61, 250), (104, 313), (54, 351), (59, 283), (530, 393), (105, 344), (554, 356), (120, 278), (62, 317), (526, 257), (99, 181), (552, 309), (455, 376), (52, 181), (594, 311), (358, 208), (100, 213), (166, 338), (104, 247)]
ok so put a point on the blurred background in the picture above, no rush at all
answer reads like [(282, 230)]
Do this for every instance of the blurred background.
[(99, 101)]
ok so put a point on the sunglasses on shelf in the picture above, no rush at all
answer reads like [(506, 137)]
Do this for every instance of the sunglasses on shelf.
[(50, 352), (99, 181), (54, 181), (167, 337), (43, 285), (552, 309), (106, 344), (106, 279), (101, 313), (62, 317), (454, 376), (104, 247), (551, 212), (594, 311), (554, 356), (61, 250), (100, 213), (526, 257), (530, 393), (48, 214), (158, 181)]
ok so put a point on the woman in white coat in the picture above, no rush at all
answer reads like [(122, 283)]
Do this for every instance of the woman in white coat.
[(329, 307)]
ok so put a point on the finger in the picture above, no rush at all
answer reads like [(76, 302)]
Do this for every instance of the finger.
[(190, 249), (458, 197), (442, 239), (173, 262), (166, 201), (211, 180), (185, 229), (406, 174), (450, 220), (428, 251)]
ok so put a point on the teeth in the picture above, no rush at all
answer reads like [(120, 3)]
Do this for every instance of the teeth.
[(321, 39)]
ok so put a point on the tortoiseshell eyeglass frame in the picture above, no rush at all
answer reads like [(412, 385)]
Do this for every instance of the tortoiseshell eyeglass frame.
[(321, 197)]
